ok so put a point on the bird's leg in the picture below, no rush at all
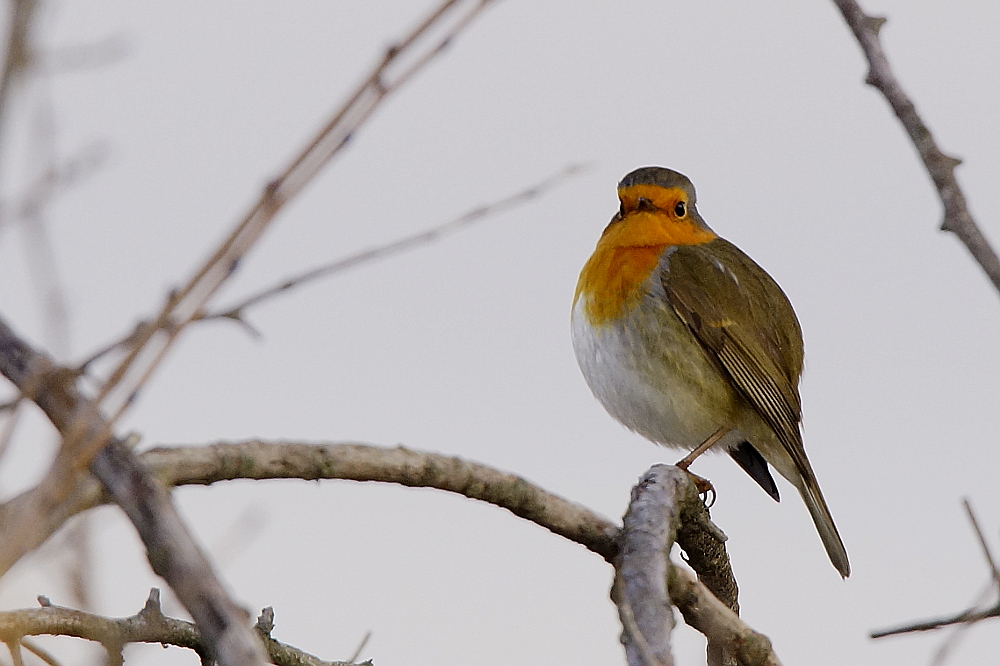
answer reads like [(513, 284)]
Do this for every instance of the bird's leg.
[(686, 461), (703, 485)]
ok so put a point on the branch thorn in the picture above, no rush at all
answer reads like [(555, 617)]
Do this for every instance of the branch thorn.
[(875, 23)]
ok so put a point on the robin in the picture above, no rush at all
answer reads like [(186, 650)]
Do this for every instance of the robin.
[(688, 342)]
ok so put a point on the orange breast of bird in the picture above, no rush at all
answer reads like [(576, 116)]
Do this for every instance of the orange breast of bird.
[(613, 278)]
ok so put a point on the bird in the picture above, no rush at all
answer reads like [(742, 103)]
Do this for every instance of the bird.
[(685, 340)]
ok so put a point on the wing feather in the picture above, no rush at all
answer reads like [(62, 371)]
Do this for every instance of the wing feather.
[(745, 322)]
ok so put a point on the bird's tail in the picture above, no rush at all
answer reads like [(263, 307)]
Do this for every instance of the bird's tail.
[(820, 512)]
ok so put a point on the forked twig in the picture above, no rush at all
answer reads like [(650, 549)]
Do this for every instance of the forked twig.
[(153, 339), (478, 214), (85, 431), (970, 616), (420, 238)]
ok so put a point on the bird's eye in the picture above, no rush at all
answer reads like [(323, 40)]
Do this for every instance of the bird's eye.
[(621, 210), (680, 210)]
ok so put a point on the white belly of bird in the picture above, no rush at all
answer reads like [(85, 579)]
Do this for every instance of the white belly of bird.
[(664, 391)]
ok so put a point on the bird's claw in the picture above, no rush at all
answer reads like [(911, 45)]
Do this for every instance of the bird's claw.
[(705, 488)]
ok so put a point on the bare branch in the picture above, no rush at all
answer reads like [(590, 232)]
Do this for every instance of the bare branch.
[(19, 55), (982, 542), (959, 631), (40, 652), (87, 437), (149, 625), (967, 617), (236, 312), (173, 553), (255, 459), (185, 304), (941, 167), (712, 618), (402, 244)]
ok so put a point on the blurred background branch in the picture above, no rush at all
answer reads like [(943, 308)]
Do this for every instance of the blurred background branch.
[(237, 311), (87, 435), (977, 612)]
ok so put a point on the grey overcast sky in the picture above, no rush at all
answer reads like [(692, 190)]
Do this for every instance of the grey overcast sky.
[(463, 347)]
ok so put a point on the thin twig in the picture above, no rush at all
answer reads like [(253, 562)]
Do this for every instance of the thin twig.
[(19, 53), (185, 304), (418, 239), (40, 652), (361, 647), (941, 167), (87, 435), (969, 616), (959, 631), (982, 542), (973, 614), (237, 311)]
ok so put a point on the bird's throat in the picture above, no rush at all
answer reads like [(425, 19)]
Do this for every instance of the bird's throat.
[(612, 279)]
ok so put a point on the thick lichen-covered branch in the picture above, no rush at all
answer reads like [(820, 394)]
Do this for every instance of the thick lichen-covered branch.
[(664, 504)]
